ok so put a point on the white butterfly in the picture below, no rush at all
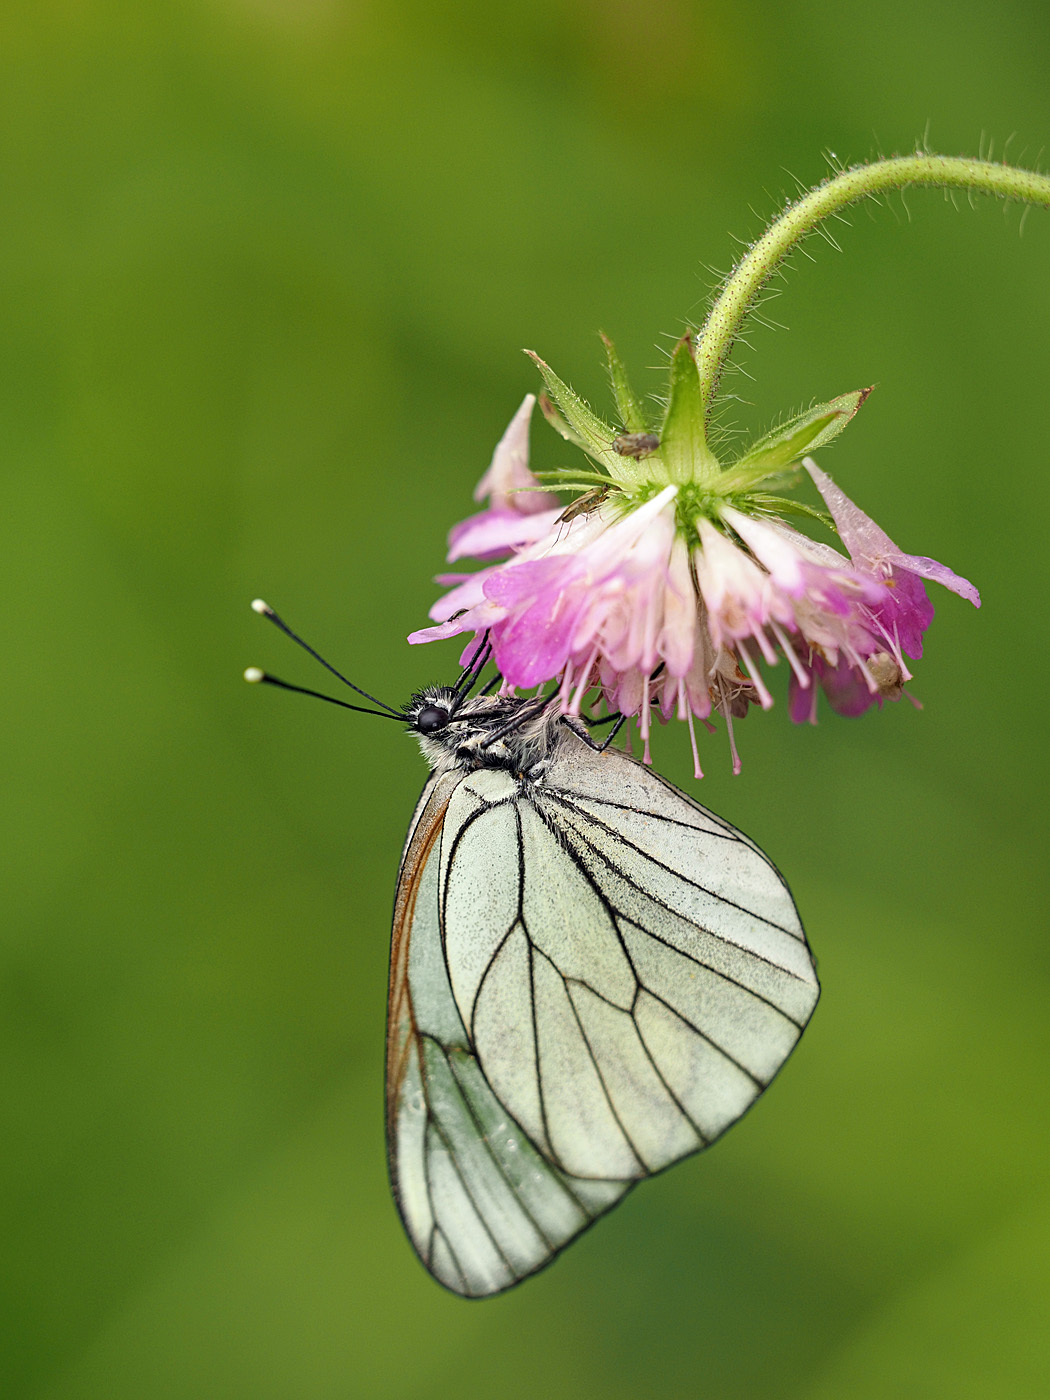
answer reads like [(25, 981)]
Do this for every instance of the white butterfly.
[(591, 977)]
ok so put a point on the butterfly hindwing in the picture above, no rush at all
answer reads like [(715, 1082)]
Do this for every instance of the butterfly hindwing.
[(591, 978)]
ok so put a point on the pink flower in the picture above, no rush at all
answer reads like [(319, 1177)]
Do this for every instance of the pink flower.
[(673, 600)]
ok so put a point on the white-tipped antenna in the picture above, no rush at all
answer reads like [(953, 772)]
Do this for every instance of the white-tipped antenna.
[(264, 610), (253, 675)]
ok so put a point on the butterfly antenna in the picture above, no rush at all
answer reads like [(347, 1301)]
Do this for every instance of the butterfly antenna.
[(264, 610), (255, 677)]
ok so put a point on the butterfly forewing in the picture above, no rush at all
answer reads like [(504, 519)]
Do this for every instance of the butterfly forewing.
[(591, 978)]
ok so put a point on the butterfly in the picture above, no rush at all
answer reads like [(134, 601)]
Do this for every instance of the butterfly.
[(591, 977)]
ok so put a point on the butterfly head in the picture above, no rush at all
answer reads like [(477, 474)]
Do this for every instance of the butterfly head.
[(479, 732), (430, 719), (430, 711)]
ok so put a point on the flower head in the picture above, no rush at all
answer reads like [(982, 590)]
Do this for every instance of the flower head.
[(674, 584)]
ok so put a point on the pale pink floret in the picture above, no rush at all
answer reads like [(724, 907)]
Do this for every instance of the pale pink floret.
[(872, 549), (816, 608), (896, 620), (519, 511), (743, 602)]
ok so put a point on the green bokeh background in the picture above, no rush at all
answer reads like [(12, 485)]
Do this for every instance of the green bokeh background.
[(265, 269)]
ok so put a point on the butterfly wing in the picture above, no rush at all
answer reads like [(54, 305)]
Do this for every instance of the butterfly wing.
[(481, 1205), (591, 978), (720, 980)]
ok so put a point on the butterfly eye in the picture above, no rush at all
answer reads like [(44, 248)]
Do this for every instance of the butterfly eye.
[(430, 718)]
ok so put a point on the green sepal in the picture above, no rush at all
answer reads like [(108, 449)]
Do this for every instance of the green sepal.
[(559, 424), (606, 485), (806, 432), (584, 426), (632, 414), (683, 439), (560, 475), (761, 503)]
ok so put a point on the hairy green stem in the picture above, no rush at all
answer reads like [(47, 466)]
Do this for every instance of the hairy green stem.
[(742, 288)]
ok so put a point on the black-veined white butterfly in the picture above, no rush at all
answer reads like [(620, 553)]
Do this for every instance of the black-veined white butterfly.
[(591, 977)]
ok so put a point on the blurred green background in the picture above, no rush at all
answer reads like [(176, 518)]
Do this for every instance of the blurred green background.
[(265, 269)]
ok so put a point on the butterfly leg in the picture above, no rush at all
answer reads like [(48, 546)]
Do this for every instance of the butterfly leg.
[(579, 728), (621, 720)]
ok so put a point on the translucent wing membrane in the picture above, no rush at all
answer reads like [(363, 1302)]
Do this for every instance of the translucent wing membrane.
[(591, 978)]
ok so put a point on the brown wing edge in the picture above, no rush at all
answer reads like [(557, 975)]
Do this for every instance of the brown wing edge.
[(401, 1033)]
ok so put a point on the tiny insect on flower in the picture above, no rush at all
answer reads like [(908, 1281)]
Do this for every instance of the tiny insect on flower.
[(635, 444), (674, 582)]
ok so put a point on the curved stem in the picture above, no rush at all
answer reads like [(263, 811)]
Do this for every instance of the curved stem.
[(741, 290)]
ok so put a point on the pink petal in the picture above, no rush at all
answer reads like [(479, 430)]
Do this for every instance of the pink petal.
[(468, 594), (531, 582), (802, 700), (733, 587), (857, 531), (905, 613), (814, 550), (469, 651), (677, 640), (869, 545), (847, 690), (939, 573), (784, 562), (494, 532), (439, 633), (533, 646), (508, 481)]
